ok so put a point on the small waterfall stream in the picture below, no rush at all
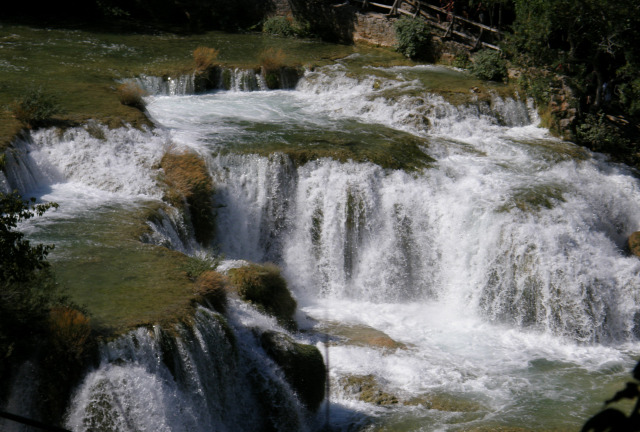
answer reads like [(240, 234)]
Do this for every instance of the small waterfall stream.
[(498, 269)]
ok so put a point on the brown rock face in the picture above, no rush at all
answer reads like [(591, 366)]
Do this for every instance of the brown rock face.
[(634, 243)]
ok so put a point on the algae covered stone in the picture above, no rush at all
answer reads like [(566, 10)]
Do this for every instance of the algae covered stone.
[(302, 365), (263, 286), (634, 243)]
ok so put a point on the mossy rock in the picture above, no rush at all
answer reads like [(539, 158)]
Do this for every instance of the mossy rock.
[(187, 181), (264, 287), (302, 364), (634, 243), (362, 335), (211, 290), (444, 402), (368, 390)]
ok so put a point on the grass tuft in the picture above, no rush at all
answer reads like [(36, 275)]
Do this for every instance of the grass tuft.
[(131, 94), (205, 57)]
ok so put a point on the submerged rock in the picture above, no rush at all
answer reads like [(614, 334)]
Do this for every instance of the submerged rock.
[(302, 365), (367, 390)]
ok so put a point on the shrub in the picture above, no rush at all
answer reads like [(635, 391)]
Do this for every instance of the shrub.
[(601, 135), (279, 26), (205, 57), (263, 286), (36, 107), (414, 38), (489, 65), (130, 94)]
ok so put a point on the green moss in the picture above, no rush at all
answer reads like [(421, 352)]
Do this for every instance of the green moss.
[(362, 335), (302, 365), (385, 147), (367, 389), (263, 286), (534, 198)]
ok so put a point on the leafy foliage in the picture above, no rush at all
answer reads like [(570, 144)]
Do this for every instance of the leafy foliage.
[(284, 26), (597, 133), (36, 107), (27, 287), (489, 65), (414, 38)]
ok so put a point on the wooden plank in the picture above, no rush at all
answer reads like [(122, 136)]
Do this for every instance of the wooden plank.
[(473, 23)]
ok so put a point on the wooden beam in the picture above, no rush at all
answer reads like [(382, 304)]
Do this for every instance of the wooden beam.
[(394, 8)]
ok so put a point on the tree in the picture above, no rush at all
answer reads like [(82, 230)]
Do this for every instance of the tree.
[(26, 284)]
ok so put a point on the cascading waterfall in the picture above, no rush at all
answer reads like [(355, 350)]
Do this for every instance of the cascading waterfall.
[(206, 377), (499, 268)]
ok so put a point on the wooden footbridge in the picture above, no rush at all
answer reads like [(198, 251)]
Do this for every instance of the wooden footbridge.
[(473, 34)]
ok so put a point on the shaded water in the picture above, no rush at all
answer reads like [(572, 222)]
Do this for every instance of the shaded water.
[(493, 256)]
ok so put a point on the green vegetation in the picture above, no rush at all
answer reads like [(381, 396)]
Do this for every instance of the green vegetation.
[(36, 107), (263, 286), (596, 47), (489, 65), (285, 26), (414, 38), (32, 310)]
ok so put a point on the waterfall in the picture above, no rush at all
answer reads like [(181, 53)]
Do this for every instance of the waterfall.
[(203, 377), (496, 271)]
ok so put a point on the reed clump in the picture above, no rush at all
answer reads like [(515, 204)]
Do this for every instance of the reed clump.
[(205, 58), (131, 94)]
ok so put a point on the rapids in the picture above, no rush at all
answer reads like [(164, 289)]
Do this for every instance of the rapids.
[(498, 267)]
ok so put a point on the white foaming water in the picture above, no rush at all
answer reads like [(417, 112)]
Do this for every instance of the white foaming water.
[(216, 381), (500, 268), (507, 254)]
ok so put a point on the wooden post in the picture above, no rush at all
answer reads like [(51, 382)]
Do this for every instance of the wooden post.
[(450, 28), (417, 7), (365, 4), (394, 8), (478, 41)]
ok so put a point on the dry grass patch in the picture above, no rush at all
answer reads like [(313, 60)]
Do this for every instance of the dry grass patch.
[(188, 181), (131, 94), (272, 60), (205, 57)]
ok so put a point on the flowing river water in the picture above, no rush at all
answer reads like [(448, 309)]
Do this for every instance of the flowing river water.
[(493, 263)]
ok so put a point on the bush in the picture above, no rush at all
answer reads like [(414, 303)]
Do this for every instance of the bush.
[(279, 26), (36, 107), (598, 134), (414, 38), (489, 65), (205, 58), (131, 94)]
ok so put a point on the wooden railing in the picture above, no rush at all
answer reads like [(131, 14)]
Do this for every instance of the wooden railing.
[(469, 32)]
